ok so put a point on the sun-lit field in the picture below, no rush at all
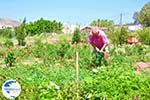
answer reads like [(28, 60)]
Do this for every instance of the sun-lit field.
[(47, 61)]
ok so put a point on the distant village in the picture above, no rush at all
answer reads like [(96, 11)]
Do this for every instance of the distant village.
[(68, 28)]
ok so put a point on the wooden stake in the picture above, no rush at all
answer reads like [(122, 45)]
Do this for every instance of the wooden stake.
[(77, 66), (77, 73)]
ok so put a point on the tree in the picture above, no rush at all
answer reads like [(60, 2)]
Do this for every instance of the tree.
[(31, 29), (144, 35), (118, 36), (123, 35), (144, 15), (21, 33), (135, 17), (44, 26), (76, 36), (103, 23), (94, 23)]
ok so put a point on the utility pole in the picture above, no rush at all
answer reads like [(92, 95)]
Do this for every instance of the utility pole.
[(121, 20)]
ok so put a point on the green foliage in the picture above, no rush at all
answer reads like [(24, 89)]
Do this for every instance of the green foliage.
[(85, 56), (144, 35), (98, 59), (103, 23), (76, 36), (39, 49), (123, 36), (118, 36), (6, 32), (135, 50), (9, 59), (21, 33), (43, 26), (31, 29), (144, 15), (2, 52), (8, 43), (135, 17), (50, 52), (116, 81), (62, 49)]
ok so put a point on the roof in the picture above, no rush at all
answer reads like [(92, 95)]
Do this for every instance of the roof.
[(85, 27)]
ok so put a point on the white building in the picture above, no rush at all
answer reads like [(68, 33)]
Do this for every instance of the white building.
[(133, 28), (69, 28)]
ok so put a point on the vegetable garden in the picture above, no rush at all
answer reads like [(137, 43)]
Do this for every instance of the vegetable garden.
[(47, 71)]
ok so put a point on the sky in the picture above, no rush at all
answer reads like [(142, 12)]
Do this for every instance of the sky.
[(71, 11)]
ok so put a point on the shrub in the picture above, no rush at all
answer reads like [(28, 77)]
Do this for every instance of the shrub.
[(9, 59), (21, 33), (98, 59), (38, 49), (144, 35), (44, 26), (118, 36), (76, 36), (6, 32), (135, 50), (8, 43), (2, 52), (63, 49)]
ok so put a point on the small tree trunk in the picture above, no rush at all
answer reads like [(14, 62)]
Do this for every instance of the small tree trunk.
[(21, 42), (10, 64)]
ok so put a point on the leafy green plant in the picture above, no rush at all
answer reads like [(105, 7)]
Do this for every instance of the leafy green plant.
[(39, 49), (63, 49), (21, 33), (118, 36), (98, 59), (144, 35), (123, 36), (2, 52), (135, 50), (9, 59), (76, 36), (6, 32), (8, 43)]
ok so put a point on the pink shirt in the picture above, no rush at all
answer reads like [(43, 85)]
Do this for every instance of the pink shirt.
[(98, 40)]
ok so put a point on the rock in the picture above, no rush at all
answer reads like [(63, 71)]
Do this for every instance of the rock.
[(89, 96), (95, 70), (52, 84), (140, 66)]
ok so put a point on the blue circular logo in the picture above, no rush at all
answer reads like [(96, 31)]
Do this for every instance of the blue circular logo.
[(11, 89)]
